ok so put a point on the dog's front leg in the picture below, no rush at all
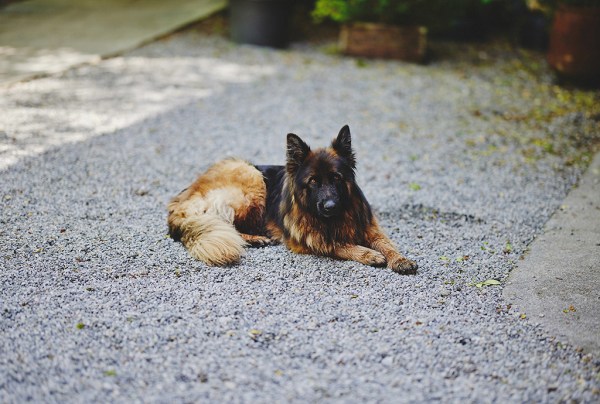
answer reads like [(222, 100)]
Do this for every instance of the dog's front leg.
[(360, 254), (377, 240)]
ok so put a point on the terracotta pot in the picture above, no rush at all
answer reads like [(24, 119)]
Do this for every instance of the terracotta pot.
[(574, 49), (407, 43)]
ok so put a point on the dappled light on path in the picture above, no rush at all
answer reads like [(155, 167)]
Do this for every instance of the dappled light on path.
[(49, 112)]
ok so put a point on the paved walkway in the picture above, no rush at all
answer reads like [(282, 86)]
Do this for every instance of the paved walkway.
[(40, 37)]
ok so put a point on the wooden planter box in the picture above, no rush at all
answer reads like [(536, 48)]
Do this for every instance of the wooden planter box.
[(408, 43)]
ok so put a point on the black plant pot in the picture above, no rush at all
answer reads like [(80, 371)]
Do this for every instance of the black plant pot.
[(533, 33), (260, 22)]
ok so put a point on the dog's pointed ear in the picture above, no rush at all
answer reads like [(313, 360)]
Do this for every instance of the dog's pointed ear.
[(342, 144), (297, 151)]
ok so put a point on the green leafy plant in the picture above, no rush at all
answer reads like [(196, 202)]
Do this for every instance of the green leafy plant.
[(436, 14), (384, 11)]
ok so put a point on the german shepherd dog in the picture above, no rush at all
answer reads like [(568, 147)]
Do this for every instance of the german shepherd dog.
[(312, 205)]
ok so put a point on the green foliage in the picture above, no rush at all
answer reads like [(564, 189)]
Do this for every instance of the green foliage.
[(434, 13), (361, 10)]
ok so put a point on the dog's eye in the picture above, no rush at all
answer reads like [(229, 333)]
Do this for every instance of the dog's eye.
[(337, 177), (312, 181)]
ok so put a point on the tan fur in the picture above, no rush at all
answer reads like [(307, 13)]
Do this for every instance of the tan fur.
[(303, 233), (256, 240), (229, 194), (212, 240), (360, 254)]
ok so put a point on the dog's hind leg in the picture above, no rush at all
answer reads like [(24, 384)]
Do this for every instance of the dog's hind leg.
[(258, 241)]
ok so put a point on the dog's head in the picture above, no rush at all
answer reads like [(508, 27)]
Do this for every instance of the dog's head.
[(322, 180)]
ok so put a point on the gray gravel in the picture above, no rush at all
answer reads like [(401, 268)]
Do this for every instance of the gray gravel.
[(463, 160)]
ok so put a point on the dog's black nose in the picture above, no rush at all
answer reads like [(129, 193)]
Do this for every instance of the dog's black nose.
[(329, 205)]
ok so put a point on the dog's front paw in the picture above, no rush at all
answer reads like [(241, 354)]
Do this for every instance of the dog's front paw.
[(402, 265)]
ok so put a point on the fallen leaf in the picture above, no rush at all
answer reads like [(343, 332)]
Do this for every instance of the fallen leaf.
[(361, 63), (489, 282), (414, 186)]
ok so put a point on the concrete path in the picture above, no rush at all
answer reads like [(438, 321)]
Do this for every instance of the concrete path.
[(40, 37), (558, 281)]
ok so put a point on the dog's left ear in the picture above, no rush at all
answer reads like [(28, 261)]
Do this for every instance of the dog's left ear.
[(342, 144)]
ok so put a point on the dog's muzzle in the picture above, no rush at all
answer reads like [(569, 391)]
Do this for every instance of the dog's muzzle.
[(328, 208)]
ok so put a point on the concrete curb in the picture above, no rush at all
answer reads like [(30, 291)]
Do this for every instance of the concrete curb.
[(558, 281)]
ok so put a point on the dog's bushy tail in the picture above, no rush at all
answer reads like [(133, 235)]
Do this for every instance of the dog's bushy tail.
[(206, 232)]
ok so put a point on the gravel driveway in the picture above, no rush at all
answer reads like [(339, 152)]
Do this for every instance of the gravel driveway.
[(463, 160)]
